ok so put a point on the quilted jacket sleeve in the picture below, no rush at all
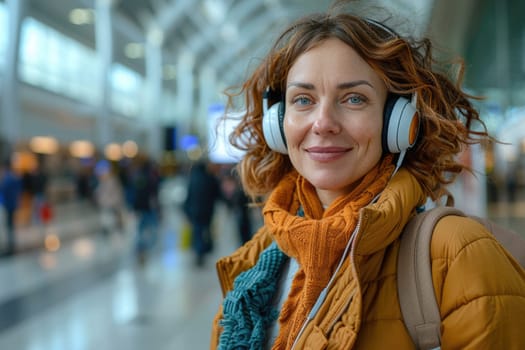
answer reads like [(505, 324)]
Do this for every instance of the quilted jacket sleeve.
[(480, 288)]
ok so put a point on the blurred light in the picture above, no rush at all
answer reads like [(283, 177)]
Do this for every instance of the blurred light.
[(52, 242), (113, 151), (43, 144), (81, 16), (229, 32), (194, 153), (155, 36), (188, 142), (23, 161), (134, 50), (169, 72), (130, 149), (83, 248), (81, 149), (214, 10)]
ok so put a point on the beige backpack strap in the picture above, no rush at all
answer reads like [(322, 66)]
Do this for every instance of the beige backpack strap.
[(414, 278)]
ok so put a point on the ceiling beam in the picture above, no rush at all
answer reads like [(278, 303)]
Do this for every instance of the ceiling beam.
[(257, 36), (172, 12), (126, 26), (211, 34)]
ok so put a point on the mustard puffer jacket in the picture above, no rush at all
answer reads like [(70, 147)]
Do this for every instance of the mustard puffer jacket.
[(480, 288)]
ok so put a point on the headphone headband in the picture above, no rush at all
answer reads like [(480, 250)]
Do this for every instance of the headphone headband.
[(381, 26)]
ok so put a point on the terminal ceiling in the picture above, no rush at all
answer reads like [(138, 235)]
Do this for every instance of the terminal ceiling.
[(228, 36), (223, 35)]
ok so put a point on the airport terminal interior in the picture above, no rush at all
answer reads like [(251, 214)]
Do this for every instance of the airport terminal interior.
[(95, 93)]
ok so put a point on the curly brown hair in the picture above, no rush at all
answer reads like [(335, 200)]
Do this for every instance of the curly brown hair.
[(449, 121)]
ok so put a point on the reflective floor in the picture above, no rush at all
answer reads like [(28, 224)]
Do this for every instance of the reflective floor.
[(93, 293)]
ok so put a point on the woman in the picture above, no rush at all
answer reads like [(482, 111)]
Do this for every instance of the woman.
[(339, 188)]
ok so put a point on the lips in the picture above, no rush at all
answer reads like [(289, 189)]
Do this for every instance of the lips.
[(326, 154)]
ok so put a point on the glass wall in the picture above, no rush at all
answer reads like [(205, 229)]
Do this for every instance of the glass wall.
[(126, 85), (50, 60), (55, 62)]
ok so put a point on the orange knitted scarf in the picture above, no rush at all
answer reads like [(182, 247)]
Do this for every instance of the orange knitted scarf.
[(316, 240)]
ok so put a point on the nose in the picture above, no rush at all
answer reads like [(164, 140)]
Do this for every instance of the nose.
[(326, 121)]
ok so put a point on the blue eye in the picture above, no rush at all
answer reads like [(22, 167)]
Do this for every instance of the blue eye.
[(355, 99), (302, 101)]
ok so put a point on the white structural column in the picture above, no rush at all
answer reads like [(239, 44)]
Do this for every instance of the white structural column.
[(184, 108), (153, 92), (10, 129), (207, 96), (104, 39)]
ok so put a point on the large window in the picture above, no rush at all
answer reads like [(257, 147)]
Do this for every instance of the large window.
[(126, 86), (55, 62)]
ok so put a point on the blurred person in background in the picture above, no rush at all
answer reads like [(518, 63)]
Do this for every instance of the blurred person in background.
[(10, 192), (145, 184), (125, 175), (85, 183), (203, 191), (238, 203), (109, 198), (365, 130), (40, 203)]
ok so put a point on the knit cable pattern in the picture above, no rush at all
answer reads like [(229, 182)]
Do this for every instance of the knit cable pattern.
[(246, 311)]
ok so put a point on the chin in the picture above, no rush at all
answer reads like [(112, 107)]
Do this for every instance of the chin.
[(332, 184), (329, 186)]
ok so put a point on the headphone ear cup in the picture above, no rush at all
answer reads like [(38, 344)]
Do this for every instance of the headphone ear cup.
[(273, 129), (400, 124)]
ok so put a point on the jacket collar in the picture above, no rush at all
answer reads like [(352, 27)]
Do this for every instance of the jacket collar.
[(382, 221)]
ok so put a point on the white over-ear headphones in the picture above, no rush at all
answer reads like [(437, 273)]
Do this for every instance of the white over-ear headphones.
[(400, 124), (273, 119)]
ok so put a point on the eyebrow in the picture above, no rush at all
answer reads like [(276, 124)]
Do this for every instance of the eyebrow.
[(341, 86)]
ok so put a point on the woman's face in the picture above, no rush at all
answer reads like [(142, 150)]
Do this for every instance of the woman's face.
[(333, 118)]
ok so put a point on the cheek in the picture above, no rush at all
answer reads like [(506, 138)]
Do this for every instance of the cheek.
[(374, 147), (292, 131), (367, 134), (369, 140)]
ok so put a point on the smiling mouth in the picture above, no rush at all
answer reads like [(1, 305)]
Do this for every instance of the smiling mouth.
[(325, 154)]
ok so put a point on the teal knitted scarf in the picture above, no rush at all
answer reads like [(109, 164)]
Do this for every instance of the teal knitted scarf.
[(247, 311)]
